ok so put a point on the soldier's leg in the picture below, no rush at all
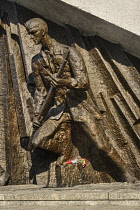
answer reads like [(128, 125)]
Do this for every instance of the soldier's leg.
[(89, 124), (93, 129), (48, 128), (45, 131)]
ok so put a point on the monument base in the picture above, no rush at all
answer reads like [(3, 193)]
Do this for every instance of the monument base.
[(100, 196)]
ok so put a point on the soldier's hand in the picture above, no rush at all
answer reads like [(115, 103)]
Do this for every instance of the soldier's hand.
[(55, 81), (36, 123), (58, 82)]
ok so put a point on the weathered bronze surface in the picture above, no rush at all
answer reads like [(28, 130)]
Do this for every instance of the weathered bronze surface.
[(70, 96), (93, 111)]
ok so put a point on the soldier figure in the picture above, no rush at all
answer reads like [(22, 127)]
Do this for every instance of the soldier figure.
[(73, 82), (70, 101)]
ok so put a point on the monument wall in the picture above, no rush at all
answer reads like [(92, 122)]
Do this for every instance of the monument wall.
[(114, 101)]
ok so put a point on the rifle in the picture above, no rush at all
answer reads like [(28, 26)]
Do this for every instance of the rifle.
[(46, 104)]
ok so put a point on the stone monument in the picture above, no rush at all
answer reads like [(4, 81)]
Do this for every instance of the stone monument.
[(69, 104)]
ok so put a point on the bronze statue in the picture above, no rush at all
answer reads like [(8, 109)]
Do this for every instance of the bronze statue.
[(70, 101), (110, 144)]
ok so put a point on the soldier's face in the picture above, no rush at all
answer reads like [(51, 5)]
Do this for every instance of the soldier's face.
[(36, 35)]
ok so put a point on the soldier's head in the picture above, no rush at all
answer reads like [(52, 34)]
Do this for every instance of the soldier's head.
[(37, 28)]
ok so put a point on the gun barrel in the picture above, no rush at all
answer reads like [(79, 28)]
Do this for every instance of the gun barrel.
[(62, 65)]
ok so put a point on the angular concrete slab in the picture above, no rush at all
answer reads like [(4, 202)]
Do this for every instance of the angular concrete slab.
[(124, 194), (116, 21)]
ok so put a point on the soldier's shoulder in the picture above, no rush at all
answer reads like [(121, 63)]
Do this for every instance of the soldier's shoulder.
[(59, 46), (62, 48), (75, 54), (73, 50)]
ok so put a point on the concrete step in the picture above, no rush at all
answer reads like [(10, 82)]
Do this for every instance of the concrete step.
[(95, 196), (66, 207)]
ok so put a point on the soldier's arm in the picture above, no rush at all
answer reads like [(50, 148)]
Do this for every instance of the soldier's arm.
[(79, 69), (77, 65)]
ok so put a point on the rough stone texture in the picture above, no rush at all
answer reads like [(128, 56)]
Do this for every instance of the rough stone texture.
[(4, 176), (114, 88), (3, 103), (114, 21), (123, 14), (16, 157)]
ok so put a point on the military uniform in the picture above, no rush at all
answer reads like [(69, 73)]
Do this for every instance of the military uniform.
[(70, 103), (47, 63)]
